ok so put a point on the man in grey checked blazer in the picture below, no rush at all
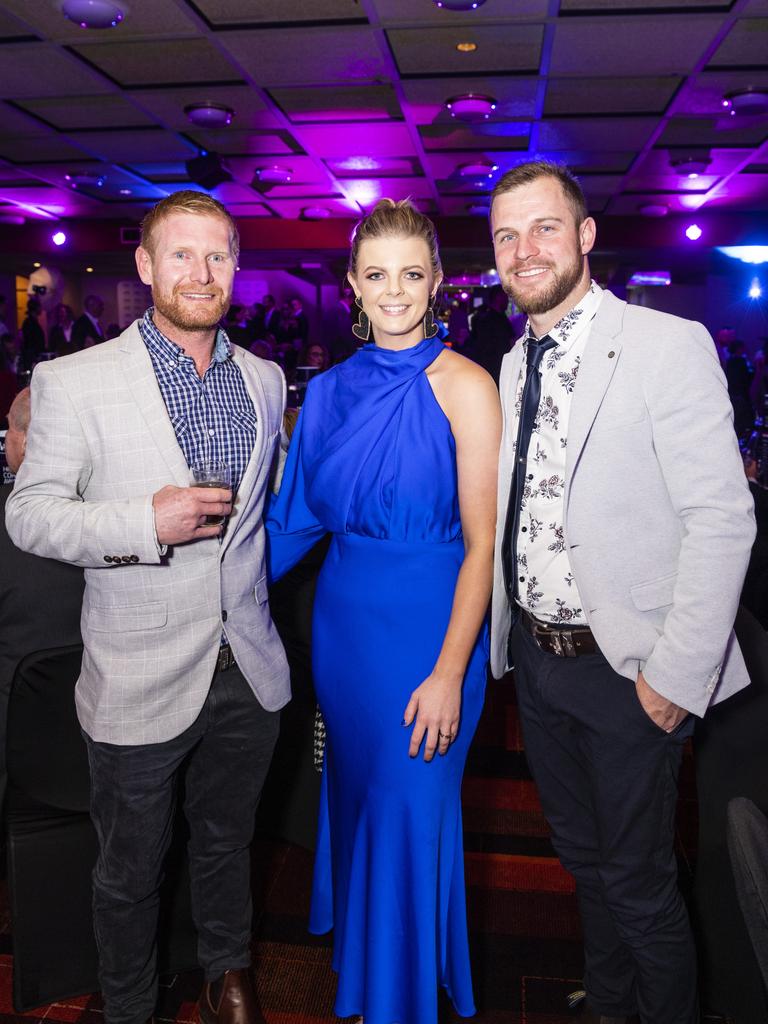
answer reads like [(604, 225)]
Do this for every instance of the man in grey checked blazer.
[(616, 603), (182, 664)]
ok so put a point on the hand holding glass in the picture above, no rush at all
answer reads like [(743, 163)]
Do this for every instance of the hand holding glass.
[(210, 473)]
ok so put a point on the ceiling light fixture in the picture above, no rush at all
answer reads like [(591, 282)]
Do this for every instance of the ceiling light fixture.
[(477, 169), (458, 5), (315, 213), (747, 102), (693, 232), (746, 253), (690, 166), (654, 210), (94, 13), (471, 107), (209, 115), (126, 192), (755, 289), (89, 270), (466, 47), (58, 238), (273, 175)]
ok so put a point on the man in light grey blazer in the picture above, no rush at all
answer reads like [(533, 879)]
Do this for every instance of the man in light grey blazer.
[(182, 666), (624, 531)]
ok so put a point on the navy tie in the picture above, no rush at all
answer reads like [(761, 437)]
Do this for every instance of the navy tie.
[(529, 407)]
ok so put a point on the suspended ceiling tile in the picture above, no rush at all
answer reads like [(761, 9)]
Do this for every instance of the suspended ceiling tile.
[(299, 56), (744, 191), (76, 112), (722, 132), (338, 103), (657, 45), (144, 20), (122, 145), (15, 122), (497, 51), (609, 95), (745, 44), (39, 69), (456, 136), (159, 62), (333, 141), (621, 6), (404, 11), (630, 205), (40, 150), (585, 162), (657, 166), (229, 142), (362, 165), (221, 13), (515, 97), (603, 133)]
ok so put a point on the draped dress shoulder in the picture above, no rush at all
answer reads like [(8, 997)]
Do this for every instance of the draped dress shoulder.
[(373, 461)]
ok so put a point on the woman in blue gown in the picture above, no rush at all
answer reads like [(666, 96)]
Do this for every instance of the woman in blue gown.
[(395, 454)]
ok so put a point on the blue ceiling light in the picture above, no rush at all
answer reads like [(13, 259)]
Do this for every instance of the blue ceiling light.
[(458, 5), (94, 13), (746, 253)]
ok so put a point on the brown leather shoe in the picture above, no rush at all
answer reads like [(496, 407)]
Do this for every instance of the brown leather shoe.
[(230, 999)]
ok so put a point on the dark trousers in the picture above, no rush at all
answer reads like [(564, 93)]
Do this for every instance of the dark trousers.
[(607, 779), (225, 754)]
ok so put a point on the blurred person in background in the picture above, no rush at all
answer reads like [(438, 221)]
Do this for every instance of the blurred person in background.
[(60, 333)]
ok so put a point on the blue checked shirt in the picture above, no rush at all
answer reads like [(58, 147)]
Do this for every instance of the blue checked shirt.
[(213, 416)]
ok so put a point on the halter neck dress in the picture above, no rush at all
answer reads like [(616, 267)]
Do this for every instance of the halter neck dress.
[(373, 461)]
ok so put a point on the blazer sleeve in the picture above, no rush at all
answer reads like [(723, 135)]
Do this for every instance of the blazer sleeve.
[(698, 454), (292, 528), (48, 512)]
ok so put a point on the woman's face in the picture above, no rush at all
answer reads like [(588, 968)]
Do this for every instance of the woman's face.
[(395, 283)]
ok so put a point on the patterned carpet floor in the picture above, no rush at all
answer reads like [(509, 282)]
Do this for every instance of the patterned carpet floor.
[(525, 935)]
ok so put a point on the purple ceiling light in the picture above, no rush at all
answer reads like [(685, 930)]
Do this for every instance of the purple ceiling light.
[(747, 102), (471, 107), (458, 5), (58, 238), (315, 212), (654, 210), (94, 13), (209, 115), (690, 166), (272, 175), (477, 169), (693, 232)]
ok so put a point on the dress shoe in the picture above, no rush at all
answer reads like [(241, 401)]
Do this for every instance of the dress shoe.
[(230, 999)]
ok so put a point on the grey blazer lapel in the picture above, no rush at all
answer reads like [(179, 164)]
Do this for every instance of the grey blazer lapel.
[(142, 382), (601, 356), (255, 390)]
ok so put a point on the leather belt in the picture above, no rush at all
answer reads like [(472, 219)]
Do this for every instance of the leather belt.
[(559, 640), (225, 659)]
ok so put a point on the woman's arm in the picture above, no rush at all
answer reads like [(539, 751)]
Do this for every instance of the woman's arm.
[(470, 400)]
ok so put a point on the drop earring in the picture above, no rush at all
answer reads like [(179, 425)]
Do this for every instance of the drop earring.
[(428, 323), (362, 329)]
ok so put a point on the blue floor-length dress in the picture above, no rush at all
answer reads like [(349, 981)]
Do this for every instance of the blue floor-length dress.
[(373, 461)]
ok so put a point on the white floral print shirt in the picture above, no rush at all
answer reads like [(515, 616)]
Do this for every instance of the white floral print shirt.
[(546, 586)]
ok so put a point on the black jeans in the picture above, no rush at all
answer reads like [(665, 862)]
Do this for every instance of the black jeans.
[(225, 754), (607, 779)]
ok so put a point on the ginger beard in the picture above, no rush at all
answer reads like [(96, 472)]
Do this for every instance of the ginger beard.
[(191, 314), (551, 293)]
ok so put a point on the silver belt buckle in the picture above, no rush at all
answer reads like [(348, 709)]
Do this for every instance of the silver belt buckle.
[(562, 643)]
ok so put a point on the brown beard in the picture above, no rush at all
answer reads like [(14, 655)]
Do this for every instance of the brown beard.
[(560, 288), (203, 319)]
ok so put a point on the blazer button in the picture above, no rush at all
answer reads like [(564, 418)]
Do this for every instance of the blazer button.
[(116, 558), (224, 615), (107, 558), (126, 559), (134, 559)]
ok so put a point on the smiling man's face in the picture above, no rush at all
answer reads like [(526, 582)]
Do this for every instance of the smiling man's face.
[(540, 250), (190, 269)]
